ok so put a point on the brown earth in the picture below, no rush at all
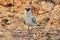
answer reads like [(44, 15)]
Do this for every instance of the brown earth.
[(47, 13)]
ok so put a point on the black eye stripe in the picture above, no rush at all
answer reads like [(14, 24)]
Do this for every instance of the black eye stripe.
[(27, 9)]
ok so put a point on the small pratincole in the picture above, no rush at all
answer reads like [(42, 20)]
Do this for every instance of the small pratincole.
[(29, 19)]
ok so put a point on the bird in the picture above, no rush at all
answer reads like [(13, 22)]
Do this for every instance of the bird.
[(29, 19)]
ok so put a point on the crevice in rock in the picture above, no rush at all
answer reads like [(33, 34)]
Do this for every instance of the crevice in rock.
[(9, 5), (5, 22)]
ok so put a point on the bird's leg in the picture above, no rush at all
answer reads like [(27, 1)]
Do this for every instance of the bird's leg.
[(30, 31)]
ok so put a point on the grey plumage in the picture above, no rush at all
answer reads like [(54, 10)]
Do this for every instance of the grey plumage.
[(29, 19)]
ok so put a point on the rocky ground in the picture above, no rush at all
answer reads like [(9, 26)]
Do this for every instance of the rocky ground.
[(47, 13)]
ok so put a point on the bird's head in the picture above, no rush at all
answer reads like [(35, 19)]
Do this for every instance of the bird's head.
[(27, 10)]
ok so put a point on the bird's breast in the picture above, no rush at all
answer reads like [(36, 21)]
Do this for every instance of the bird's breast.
[(28, 21)]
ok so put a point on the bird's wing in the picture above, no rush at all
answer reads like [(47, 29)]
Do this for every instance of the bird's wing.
[(24, 23), (34, 20)]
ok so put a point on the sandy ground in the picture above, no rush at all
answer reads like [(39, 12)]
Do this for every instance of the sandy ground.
[(47, 13)]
